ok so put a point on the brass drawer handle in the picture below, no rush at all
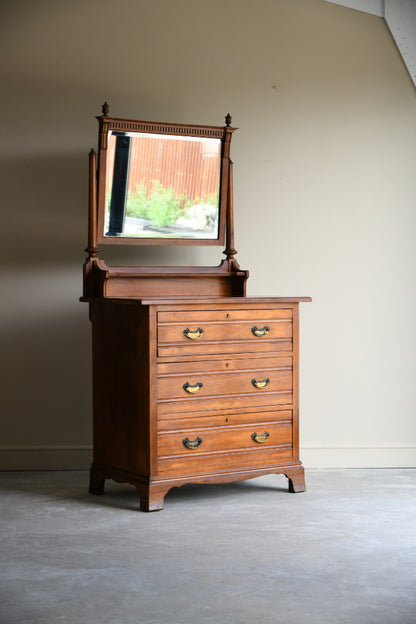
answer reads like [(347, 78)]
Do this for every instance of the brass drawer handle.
[(260, 332), (193, 334), (192, 444), (260, 384), (260, 437), (192, 389)]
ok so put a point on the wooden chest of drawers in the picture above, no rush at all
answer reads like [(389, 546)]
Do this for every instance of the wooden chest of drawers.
[(194, 391)]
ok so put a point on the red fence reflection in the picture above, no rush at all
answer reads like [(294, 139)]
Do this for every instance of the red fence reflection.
[(190, 167)]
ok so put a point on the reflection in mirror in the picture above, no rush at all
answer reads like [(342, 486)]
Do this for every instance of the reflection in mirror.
[(163, 186)]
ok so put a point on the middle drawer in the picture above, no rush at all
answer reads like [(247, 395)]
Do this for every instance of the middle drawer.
[(194, 381)]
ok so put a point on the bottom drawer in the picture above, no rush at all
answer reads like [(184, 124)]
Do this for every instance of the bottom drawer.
[(216, 448), (200, 441), (215, 463)]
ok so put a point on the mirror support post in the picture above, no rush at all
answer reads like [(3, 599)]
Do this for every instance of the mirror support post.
[(229, 250), (92, 248), (229, 244), (92, 281)]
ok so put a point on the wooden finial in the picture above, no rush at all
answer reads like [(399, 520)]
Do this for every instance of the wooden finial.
[(105, 109), (228, 120)]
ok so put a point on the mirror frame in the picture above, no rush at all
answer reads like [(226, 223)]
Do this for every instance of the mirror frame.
[(108, 124)]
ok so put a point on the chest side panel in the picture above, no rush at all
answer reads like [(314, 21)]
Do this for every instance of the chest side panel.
[(122, 341)]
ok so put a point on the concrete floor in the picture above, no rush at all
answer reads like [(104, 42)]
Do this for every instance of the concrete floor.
[(241, 553)]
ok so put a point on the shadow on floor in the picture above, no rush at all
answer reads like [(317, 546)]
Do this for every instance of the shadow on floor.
[(73, 486)]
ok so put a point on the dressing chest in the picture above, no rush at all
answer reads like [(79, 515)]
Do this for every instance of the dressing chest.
[(193, 382)]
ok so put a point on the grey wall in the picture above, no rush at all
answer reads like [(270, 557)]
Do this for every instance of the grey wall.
[(324, 196)]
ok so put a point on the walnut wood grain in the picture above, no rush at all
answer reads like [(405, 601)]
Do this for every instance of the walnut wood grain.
[(143, 282), (121, 386), (254, 416), (229, 316), (169, 407), (208, 348), (259, 362), (225, 331), (296, 476), (231, 438), (224, 384), (225, 461)]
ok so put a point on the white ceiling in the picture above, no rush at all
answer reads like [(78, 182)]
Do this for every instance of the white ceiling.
[(400, 16), (376, 7)]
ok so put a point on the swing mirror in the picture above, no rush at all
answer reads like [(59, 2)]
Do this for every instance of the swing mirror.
[(162, 184)]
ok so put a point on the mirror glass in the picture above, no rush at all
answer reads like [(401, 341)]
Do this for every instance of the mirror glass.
[(161, 185)]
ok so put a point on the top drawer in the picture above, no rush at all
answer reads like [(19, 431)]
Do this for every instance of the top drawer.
[(224, 331), (224, 315)]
